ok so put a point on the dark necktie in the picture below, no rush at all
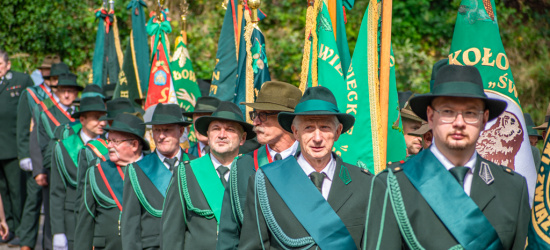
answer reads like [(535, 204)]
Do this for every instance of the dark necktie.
[(459, 173), (206, 149), (278, 157), (69, 110), (222, 170), (317, 179), (171, 162)]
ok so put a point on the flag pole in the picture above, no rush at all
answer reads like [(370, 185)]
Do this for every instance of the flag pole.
[(184, 7), (385, 77)]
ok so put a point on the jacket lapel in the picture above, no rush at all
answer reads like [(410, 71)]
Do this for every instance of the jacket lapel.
[(481, 193), (339, 191), (4, 84)]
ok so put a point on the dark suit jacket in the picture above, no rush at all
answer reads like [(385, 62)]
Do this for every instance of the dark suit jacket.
[(63, 195), (139, 228), (25, 111), (10, 91), (184, 229), (504, 202), (348, 201), (230, 227), (98, 224)]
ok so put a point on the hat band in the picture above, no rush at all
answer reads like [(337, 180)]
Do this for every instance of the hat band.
[(227, 115), (91, 94), (166, 118), (316, 105), (452, 88)]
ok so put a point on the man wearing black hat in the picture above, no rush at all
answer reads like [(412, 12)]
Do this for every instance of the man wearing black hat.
[(12, 178), (194, 200), (273, 98), (97, 150), (65, 168), (147, 180), (98, 220), (448, 196), (205, 106), (28, 111), (313, 199)]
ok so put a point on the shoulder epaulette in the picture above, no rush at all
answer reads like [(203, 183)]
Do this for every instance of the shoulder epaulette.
[(508, 170)]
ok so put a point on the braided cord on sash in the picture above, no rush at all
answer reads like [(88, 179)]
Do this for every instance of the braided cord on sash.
[(280, 236), (400, 213), (368, 212), (85, 201), (234, 194), (98, 194), (47, 125), (139, 193), (61, 166), (206, 213)]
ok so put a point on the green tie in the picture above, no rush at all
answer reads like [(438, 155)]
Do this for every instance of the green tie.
[(459, 173), (171, 162), (317, 179), (222, 170)]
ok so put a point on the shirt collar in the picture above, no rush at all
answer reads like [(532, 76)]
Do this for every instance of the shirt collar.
[(217, 163), (285, 153), (85, 138), (447, 164), (329, 169), (61, 104), (162, 157), (201, 147)]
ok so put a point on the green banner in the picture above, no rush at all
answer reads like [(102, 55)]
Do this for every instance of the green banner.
[(184, 78)]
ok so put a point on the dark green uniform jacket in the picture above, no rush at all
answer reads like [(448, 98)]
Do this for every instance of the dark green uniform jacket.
[(63, 182), (348, 201), (30, 98), (182, 226), (504, 202), (99, 213), (88, 157), (11, 89), (143, 202)]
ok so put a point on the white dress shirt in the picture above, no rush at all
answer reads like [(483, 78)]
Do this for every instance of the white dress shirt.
[(162, 157), (329, 170), (216, 164), (201, 148), (85, 138), (286, 153), (471, 164)]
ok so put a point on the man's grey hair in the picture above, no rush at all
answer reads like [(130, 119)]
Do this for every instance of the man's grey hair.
[(298, 119)]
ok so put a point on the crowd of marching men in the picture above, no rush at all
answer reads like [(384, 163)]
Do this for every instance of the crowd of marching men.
[(275, 183)]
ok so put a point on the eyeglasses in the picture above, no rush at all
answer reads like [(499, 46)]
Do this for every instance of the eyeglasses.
[(449, 115), (117, 142), (261, 115)]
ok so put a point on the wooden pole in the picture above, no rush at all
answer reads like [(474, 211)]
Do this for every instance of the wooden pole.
[(385, 77), (184, 7), (332, 12)]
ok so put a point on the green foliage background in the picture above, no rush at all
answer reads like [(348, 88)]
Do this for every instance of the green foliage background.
[(421, 35)]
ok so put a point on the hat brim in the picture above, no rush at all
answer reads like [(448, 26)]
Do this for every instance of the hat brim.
[(267, 106), (201, 125), (409, 114), (420, 103), (285, 119), (167, 122), (543, 126), (421, 131), (190, 114), (77, 114), (144, 142)]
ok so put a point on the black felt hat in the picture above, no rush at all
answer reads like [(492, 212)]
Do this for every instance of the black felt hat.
[(90, 104), (226, 111), (529, 123), (168, 114), (457, 81), (316, 101), (205, 104), (59, 69), (130, 123), (117, 106), (68, 80)]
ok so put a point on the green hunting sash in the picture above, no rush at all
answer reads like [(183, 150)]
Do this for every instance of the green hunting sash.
[(261, 157), (308, 204), (99, 147), (155, 170), (73, 144), (210, 183), (113, 180), (450, 203)]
